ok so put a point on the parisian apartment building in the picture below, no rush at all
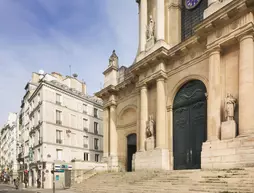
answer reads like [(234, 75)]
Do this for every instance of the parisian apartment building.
[(8, 146), (58, 123)]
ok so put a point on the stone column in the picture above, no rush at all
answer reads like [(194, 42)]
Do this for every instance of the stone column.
[(246, 85), (174, 22), (160, 114), (143, 24), (160, 20), (214, 95), (105, 132), (143, 116), (113, 133)]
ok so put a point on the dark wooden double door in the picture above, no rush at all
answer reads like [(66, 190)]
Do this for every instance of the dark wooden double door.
[(189, 125)]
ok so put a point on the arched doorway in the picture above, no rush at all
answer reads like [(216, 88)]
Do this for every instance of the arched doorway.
[(189, 125), (131, 149)]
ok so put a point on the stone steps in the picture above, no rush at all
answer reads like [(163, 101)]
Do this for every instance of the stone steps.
[(184, 181)]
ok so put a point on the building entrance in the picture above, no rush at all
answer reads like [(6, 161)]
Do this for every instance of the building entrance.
[(189, 125), (131, 149)]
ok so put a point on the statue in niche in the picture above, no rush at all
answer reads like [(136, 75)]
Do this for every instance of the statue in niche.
[(230, 103), (150, 29), (150, 127)]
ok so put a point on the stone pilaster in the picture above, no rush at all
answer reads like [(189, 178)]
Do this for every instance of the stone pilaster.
[(214, 97), (161, 114), (174, 22), (160, 20), (143, 24), (105, 133), (246, 85), (113, 133), (143, 116)]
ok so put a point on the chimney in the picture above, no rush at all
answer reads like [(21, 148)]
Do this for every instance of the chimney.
[(84, 88)]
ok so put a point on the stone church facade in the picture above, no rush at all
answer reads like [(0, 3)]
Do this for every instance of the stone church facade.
[(187, 101)]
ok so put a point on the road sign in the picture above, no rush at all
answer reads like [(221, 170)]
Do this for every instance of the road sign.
[(57, 177), (60, 171)]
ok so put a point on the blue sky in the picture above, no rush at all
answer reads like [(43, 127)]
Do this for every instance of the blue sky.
[(53, 34)]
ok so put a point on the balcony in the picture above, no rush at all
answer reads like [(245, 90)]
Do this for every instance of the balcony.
[(58, 103), (96, 132), (85, 145), (96, 115), (58, 122), (59, 141), (85, 129)]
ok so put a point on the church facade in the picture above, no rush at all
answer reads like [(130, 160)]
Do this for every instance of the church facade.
[(187, 101)]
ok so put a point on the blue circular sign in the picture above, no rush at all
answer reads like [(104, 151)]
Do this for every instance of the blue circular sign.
[(190, 4)]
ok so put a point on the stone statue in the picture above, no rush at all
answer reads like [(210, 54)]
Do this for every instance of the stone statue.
[(150, 127), (230, 103), (113, 60), (150, 29)]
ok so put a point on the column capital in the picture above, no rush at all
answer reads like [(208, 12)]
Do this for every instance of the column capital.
[(175, 5), (215, 50), (169, 108), (244, 36)]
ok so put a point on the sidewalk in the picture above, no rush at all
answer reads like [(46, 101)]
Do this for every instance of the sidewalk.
[(38, 190)]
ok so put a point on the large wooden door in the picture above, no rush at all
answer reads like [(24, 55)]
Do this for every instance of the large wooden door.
[(189, 125)]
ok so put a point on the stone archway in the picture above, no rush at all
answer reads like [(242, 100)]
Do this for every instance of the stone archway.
[(189, 125), (131, 150)]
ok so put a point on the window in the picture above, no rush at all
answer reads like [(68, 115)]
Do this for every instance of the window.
[(96, 157), (84, 108), (85, 141), (96, 142), (59, 154), (86, 156), (58, 99), (191, 17), (85, 125), (59, 137), (95, 127), (39, 97), (38, 154), (95, 112), (58, 117), (39, 116)]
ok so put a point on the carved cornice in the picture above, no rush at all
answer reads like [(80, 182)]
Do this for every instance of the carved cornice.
[(225, 14), (110, 69), (152, 78), (149, 60), (109, 104), (106, 92), (174, 5)]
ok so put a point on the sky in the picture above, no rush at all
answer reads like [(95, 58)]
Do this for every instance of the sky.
[(53, 34)]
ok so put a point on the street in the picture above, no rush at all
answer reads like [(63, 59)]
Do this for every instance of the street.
[(4, 188)]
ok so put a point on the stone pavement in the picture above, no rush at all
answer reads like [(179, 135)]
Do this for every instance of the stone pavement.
[(36, 190)]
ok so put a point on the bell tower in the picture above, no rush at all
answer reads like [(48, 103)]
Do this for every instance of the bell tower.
[(159, 21), (168, 21)]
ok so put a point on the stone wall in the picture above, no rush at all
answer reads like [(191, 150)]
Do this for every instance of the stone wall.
[(232, 153)]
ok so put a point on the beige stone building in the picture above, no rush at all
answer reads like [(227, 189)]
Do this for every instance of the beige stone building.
[(187, 101), (8, 146), (60, 124)]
